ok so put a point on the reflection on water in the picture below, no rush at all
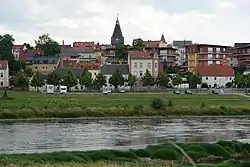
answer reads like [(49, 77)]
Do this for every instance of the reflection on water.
[(117, 133)]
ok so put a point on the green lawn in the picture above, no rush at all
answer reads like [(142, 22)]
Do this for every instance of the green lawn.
[(38, 100)]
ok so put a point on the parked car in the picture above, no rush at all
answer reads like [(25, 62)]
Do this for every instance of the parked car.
[(215, 92), (177, 92), (188, 92)]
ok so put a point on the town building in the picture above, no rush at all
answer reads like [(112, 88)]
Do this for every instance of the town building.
[(43, 64), (206, 55), (84, 45), (15, 51), (167, 53), (181, 50), (218, 75), (141, 61), (109, 69), (242, 53), (4, 74), (117, 37)]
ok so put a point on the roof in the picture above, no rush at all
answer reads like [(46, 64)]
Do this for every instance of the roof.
[(84, 45), (3, 64), (212, 45), (239, 45), (62, 71), (139, 55), (17, 46), (163, 38), (69, 63), (117, 30), (109, 69), (24, 54), (150, 43), (217, 71), (41, 59), (88, 65), (182, 44)]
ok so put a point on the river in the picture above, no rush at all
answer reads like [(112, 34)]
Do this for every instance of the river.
[(79, 135)]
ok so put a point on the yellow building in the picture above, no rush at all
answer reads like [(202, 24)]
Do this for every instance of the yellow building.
[(43, 64), (192, 61)]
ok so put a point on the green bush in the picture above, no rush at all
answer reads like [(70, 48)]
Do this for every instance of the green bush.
[(170, 103), (157, 104), (203, 105), (166, 154)]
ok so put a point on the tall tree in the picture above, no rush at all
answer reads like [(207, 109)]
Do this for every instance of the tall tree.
[(28, 46), (162, 79), (193, 80), (48, 45), (138, 44), (177, 80), (147, 79), (121, 51), (37, 80), (21, 80), (53, 78), (100, 80), (29, 72), (70, 79), (241, 69), (132, 81), (117, 79), (86, 79)]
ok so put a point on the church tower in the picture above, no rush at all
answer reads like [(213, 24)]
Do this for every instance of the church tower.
[(117, 37)]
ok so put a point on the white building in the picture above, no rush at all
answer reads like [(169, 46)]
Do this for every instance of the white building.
[(215, 75), (141, 61), (4, 73)]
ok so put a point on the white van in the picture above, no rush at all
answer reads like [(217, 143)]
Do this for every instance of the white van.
[(50, 89), (63, 89)]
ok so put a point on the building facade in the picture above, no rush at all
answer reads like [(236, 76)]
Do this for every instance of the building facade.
[(141, 61), (242, 54), (206, 55), (4, 74), (218, 75)]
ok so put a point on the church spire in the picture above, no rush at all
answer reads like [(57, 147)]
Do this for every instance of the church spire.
[(117, 37), (163, 38)]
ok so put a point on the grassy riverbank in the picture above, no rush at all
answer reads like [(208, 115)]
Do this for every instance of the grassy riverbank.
[(224, 154), (37, 105)]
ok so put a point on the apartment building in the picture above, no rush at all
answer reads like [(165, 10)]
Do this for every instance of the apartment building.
[(206, 55), (242, 53)]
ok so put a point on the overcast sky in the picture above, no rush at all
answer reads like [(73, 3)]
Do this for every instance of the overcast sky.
[(203, 21)]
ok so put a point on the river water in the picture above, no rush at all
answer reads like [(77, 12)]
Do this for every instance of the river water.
[(79, 135)]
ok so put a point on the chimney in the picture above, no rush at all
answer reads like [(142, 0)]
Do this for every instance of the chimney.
[(62, 42)]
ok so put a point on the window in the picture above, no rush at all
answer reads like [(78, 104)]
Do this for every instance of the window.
[(155, 65), (210, 56), (149, 65), (217, 50), (210, 50), (224, 49), (141, 65), (215, 78), (1, 83), (135, 65), (141, 73), (201, 50), (35, 67), (43, 67), (217, 56), (163, 52), (217, 62), (210, 62), (230, 78), (46, 67), (54, 67), (1, 74), (206, 78)]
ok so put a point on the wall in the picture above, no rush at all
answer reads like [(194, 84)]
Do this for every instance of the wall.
[(220, 81), (139, 72), (192, 62), (4, 80), (108, 76), (43, 67)]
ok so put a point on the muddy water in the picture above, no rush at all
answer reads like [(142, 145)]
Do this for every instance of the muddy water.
[(117, 133)]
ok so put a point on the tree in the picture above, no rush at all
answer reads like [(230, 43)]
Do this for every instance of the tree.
[(6, 43), (162, 79), (70, 79), (193, 80), (177, 80), (147, 79), (48, 45), (121, 51), (29, 72), (37, 80), (86, 79), (236, 79), (53, 79), (28, 46), (117, 79), (21, 80), (241, 69), (132, 80), (100, 80), (138, 44)]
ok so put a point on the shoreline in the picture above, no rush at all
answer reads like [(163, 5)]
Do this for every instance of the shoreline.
[(65, 120)]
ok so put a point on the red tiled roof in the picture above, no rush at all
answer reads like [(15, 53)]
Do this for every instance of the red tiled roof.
[(69, 63), (218, 70), (3, 64), (17, 46), (24, 54), (84, 45), (88, 65), (151, 43), (139, 55)]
